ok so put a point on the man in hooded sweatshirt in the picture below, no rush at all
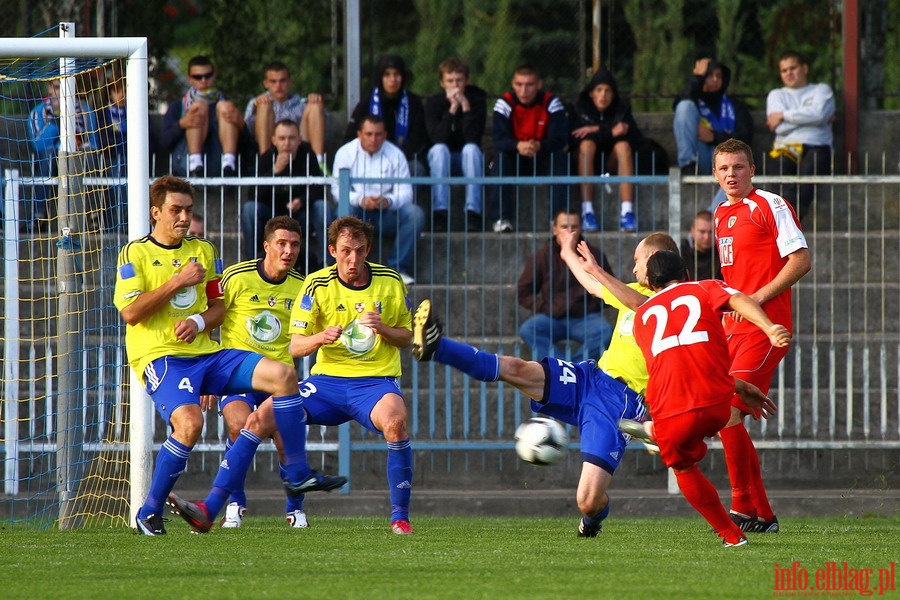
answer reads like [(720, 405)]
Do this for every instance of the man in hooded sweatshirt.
[(705, 116), (604, 136), (402, 111)]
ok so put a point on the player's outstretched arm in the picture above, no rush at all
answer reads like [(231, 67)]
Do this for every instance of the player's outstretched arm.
[(749, 309), (759, 403), (583, 264)]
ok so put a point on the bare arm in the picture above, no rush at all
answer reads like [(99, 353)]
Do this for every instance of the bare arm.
[(304, 345), (149, 303), (399, 337), (798, 264), (779, 336), (592, 276)]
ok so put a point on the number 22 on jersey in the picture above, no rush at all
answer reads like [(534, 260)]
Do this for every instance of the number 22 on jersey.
[(688, 334)]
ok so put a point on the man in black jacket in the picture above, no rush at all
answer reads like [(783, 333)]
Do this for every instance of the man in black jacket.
[(604, 136), (289, 156), (456, 120)]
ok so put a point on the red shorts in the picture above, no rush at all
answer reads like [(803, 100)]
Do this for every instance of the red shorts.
[(680, 438), (753, 359)]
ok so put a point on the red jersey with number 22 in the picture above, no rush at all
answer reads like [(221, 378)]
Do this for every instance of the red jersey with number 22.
[(679, 331), (755, 236)]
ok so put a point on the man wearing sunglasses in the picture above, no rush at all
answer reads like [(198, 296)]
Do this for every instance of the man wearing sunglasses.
[(203, 130)]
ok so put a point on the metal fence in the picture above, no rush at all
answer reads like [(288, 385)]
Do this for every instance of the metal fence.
[(838, 388)]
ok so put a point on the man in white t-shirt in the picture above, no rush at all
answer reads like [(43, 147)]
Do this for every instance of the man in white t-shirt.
[(800, 115), (389, 206)]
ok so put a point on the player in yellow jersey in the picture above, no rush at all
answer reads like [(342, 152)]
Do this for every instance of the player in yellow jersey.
[(259, 294), (168, 291), (581, 394), (357, 315)]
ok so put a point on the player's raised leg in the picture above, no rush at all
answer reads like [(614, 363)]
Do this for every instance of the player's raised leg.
[(429, 343)]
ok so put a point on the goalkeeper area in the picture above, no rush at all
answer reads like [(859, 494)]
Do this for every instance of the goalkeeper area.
[(65, 153)]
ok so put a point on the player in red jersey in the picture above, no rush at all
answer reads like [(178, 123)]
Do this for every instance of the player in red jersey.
[(763, 253), (689, 393)]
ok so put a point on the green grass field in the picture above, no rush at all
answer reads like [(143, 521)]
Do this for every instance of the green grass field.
[(460, 558)]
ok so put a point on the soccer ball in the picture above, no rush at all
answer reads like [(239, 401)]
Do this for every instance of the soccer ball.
[(541, 441), (358, 338)]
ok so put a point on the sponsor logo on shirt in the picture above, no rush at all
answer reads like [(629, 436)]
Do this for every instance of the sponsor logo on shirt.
[(254, 298), (306, 302), (360, 306), (340, 307), (273, 301)]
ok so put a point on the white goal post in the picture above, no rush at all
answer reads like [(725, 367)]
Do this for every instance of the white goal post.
[(134, 52)]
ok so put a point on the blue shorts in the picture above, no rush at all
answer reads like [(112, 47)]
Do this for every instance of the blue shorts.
[(173, 381), (253, 399), (336, 400), (582, 394)]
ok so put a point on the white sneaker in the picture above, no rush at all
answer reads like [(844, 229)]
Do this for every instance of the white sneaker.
[(234, 515), (502, 226), (297, 519), (407, 279)]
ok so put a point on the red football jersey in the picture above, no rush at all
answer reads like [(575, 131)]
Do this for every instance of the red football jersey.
[(754, 238), (679, 330)]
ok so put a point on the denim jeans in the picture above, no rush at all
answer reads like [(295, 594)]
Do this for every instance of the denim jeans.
[(404, 224), (504, 201), (541, 333), (691, 149), (468, 163)]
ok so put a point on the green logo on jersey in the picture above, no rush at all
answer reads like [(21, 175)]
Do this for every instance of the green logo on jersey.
[(264, 328), (184, 299)]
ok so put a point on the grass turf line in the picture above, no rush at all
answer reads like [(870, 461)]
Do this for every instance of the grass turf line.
[(448, 557)]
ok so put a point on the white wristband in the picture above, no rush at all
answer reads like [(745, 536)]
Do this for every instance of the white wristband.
[(201, 324)]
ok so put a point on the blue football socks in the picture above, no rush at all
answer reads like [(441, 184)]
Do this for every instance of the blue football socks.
[(237, 494), (590, 522), (232, 471), (399, 475), (293, 502), (290, 418), (480, 365), (170, 464)]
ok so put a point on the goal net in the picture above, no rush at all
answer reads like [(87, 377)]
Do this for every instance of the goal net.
[(70, 158)]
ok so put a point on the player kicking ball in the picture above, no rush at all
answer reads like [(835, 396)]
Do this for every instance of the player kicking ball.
[(679, 330), (578, 393)]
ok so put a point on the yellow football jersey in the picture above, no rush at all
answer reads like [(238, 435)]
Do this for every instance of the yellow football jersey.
[(146, 265), (258, 310), (327, 301), (623, 359)]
